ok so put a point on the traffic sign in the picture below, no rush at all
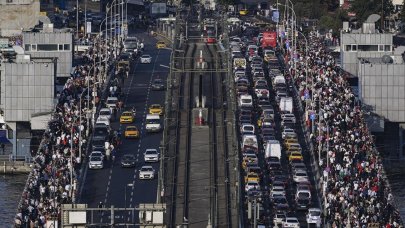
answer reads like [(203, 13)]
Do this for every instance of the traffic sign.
[(312, 116)]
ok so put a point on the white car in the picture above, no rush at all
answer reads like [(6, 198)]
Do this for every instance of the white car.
[(314, 216), (146, 59), (300, 176), (291, 222), (252, 185), (97, 154), (96, 162), (288, 116), (278, 218), (111, 102), (247, 129), (103, 120), (288, 132), (151, 155), (105, 112), (277, 190), (146, 172)]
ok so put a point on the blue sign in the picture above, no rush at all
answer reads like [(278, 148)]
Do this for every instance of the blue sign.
[(276, 16), (306, 94), (312, 116)]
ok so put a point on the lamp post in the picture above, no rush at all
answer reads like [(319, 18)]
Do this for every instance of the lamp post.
[(125, 198), (293, 27)]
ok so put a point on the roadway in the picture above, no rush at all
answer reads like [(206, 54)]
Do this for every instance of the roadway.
[(110, 184)]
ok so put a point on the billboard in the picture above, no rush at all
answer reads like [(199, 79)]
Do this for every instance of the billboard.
[(158, 8)]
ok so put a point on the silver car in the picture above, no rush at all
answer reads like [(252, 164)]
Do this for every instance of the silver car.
[(151, 155), (96, 162), (146, 172)]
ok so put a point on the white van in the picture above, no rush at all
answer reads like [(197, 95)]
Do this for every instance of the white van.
[(153, 123), (245, 101), (111, 102), (273, 149)]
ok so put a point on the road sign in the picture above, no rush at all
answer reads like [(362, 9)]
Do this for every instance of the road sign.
[(312, 116)]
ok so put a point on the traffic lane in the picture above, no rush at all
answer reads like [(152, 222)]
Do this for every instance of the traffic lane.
[(120, 178), (123, 178), (95, 188)]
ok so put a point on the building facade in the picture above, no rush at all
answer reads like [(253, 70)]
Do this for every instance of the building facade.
[(51, 44), (27, 91), (365, 43)]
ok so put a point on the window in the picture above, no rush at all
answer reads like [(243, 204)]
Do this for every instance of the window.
[(66, 47), (33, 47), (27, 47), (9, 1), (387, 47), (351, 47), (60, 47), (47, 47), (380, 47), (368, 47)]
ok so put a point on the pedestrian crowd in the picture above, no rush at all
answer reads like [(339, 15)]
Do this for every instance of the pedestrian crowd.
[(354, 185), (56, 165)]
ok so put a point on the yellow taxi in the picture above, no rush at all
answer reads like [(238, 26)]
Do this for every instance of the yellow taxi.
[(295, 156), (290, 141), (156, 109), (252, 177), (160, 44), (131, 132), (126, 117)]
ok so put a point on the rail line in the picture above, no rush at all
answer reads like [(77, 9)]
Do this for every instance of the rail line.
[(220, 177)]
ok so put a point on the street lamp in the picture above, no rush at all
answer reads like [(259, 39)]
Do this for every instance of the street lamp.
[(125, 198)]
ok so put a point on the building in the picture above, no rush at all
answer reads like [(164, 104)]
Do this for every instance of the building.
[(397, 4), (18, 15), (27, 95), (50, 43), (363, 43)]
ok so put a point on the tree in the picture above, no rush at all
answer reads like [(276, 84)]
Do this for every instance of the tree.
[(364, 8)]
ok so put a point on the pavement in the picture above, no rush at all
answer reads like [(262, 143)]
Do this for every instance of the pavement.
[(109, 185)]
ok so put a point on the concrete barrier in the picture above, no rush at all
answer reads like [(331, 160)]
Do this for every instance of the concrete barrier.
[(15, 167)]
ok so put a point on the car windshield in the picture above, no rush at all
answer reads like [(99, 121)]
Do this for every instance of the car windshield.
[(157, 81), (146, 169), (315, 213), (280, 200), (100, 131), (128, 157), (248, 128), (145, 56), (131, 129), (126, 114), (152, 121), (95, 158), (150, 152), (104, 112)]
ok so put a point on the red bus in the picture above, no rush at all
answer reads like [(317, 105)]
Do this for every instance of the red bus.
[(269, 39), (210, 37)]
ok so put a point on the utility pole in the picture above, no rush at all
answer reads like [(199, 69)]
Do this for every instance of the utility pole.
[(382, 15)]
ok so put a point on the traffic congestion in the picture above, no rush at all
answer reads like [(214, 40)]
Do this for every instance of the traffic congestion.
[(277, 182)]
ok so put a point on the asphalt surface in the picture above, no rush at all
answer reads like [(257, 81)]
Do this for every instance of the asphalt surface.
[(110, 184)]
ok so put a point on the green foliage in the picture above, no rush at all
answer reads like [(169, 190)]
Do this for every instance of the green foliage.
[(364, 8), (333, 21)]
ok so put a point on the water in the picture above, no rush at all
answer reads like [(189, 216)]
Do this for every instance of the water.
[(11, 188)]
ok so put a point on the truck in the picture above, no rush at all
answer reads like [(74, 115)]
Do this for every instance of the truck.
[(249, 142), (269, 39), (273, 149), (286, 105)]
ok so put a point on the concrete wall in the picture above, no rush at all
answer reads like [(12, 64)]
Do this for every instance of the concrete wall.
[(26, 88), (349, 58), (382, 86), (64, 57), (17, 15)]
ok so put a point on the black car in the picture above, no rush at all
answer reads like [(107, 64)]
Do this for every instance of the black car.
[(128, 160), (100, 133), (98, 144), (302, 203), (244, 119), (158, 84)]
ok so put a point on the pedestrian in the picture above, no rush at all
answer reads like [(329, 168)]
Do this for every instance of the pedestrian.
[(100, 205)]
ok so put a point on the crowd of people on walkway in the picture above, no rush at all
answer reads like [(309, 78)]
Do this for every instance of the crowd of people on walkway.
[(56, 166), (355, 190)]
